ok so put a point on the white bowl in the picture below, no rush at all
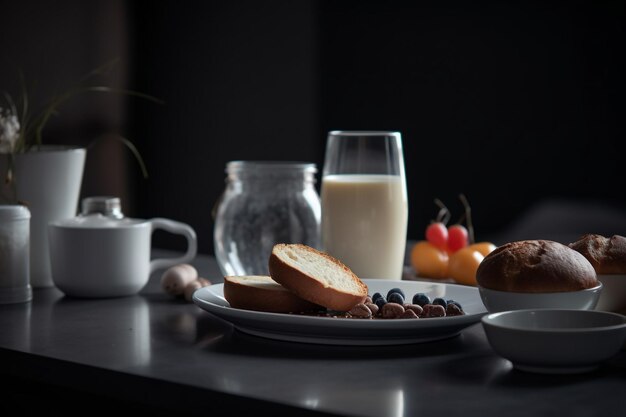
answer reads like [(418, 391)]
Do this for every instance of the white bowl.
[(555, 340), (613, 296), (496, 301)]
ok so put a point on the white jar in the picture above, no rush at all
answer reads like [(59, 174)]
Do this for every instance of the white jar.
[(14, 254)]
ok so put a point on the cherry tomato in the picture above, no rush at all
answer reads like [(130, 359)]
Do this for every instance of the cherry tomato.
[(437, 234), (457, 237), (429, 261)]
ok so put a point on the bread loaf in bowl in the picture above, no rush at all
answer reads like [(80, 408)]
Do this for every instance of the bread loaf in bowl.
[(262, 293), (536, 266), (608, 257), (606, 254), (316, 276)]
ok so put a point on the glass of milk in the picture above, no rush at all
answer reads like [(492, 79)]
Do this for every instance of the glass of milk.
[(364, 202)]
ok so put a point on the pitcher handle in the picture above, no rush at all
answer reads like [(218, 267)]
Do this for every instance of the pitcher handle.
[(179, 229)]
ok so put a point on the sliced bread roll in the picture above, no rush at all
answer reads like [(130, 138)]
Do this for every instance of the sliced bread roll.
[(262, 293), (316, 276)]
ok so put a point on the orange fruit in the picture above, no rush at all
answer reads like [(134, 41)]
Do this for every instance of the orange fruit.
[(485, 248), (429, 261), (463, 264)]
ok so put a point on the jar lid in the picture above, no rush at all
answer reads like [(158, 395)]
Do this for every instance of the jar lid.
[(14, 212), (268, 166), (106, 205), (271, 170)]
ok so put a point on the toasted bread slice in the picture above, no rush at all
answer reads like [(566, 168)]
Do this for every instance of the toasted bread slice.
[(316, 276), (262, 293)]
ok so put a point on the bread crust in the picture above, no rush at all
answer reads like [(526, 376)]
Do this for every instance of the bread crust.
[(309, 287), (268, 298), (607, 255), (536, 266)]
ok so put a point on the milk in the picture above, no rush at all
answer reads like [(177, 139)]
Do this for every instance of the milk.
[(364, 223)]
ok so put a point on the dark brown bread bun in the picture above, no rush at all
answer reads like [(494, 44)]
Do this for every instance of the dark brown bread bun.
[(607, 255), (536, 266)]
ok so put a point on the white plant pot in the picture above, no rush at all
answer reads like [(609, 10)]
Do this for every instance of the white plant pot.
[(48, 181)]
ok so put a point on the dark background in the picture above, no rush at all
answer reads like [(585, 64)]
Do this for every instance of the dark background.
[(518, 105)]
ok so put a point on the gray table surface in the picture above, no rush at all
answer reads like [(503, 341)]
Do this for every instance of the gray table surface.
[(152, 350)]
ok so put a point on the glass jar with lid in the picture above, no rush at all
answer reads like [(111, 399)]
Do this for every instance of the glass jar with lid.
[(264, 203)]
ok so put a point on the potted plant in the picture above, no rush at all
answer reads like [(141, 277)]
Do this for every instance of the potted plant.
[(45, 178)]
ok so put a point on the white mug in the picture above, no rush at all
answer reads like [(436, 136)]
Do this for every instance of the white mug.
[(95, 256)]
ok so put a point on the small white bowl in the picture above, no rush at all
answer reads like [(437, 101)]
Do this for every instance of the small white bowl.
[(496, 301), (555, 340), (613, 296)]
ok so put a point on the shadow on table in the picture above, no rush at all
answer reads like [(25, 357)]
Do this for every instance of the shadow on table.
[(212, 335)]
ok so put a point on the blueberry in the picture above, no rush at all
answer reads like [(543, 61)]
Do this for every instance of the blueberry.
[(380, 301), (456, 303), (396, 297), (421, 299), (440, 301), (376, 296), (395, 290)]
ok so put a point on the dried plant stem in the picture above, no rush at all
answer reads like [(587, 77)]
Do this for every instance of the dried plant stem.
[(443, 215), (130, 146), (468, 217)]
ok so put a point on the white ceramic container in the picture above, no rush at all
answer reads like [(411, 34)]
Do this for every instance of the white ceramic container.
[(496, 301), (555, 340), (613, 297)]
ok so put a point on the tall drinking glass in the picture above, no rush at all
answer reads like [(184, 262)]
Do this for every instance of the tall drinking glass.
[(364, 202)]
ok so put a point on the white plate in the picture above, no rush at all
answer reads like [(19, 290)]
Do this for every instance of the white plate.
[(343, 331)]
